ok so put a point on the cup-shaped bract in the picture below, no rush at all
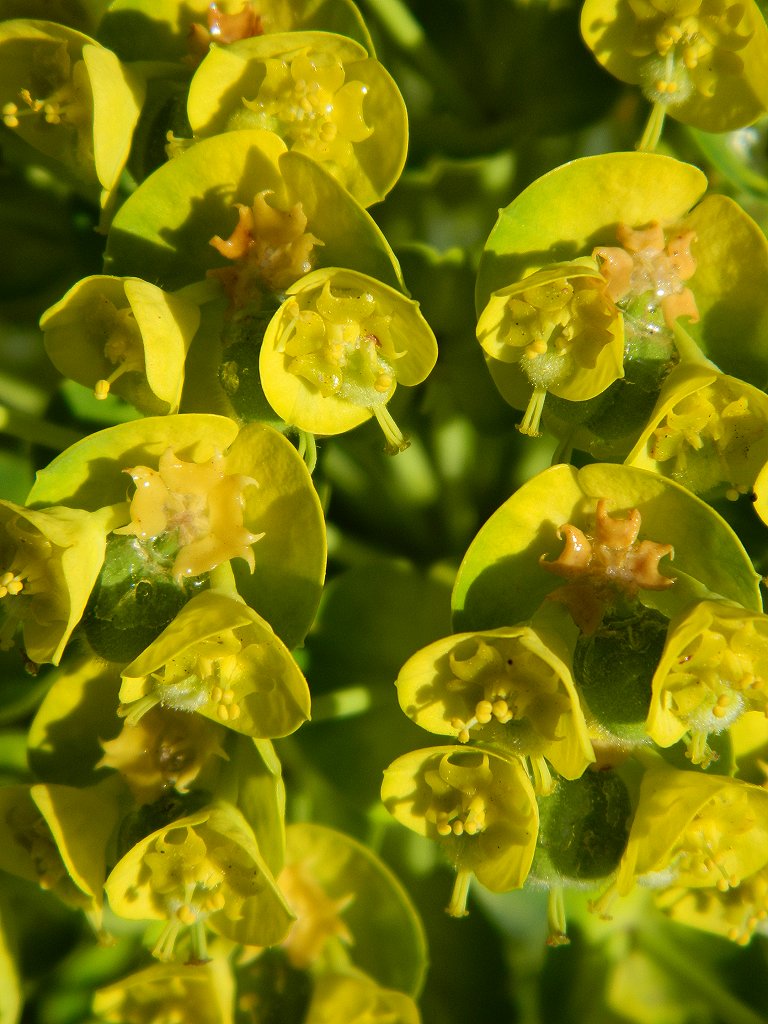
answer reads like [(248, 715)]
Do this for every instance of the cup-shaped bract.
[(665, 251), (502, 578), (125, 336), (163, 231), (709, 432), (219, 658), (761, 493), (69, 98), (50, 560), (505, 687), (356, 999), (201, 871), (182, 30), (337, 348), (165, 750), (703, 61), (696, 831), (736, 913), (342, 894), (198, 993), (289, 560), (321, 93), (713, 669), (559, 331), (57, 836), (479, 806)]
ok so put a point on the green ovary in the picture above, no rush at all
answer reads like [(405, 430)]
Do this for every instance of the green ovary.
[(307, 102), (342, 348)]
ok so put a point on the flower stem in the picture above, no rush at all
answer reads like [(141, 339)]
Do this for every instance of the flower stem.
[(686, 969), (556, 917), (458, 905), (36, 431), (652, 133)]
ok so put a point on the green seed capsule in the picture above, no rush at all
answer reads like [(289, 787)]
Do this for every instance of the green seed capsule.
[(614, 667), (583, 830)]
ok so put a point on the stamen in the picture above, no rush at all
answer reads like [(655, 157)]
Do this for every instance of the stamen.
[(396, 441), (556, 917), (458, 905)]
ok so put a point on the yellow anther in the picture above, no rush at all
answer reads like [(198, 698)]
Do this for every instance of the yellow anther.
[(458, 827), (10, 584), (186, 914), (216, 694), (500, 709), (483, 711), (101, 390), (215, 901), (222, 713), (234, 712), (444, 828), (227, 697), (383, 383)]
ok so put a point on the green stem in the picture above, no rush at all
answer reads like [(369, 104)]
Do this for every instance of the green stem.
[(688, 350), (653, 128), (346, 703), (556, 917), (36, 431), (222, 580), (695, 977), (200, 292), (458, 905), (307, 448)]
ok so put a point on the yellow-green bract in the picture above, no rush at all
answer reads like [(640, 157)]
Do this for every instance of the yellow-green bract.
[(702, 60), (337, 348), (321, 93), (501, 579), (220, 658), (286, 581), (84, 103), (122, 335)]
